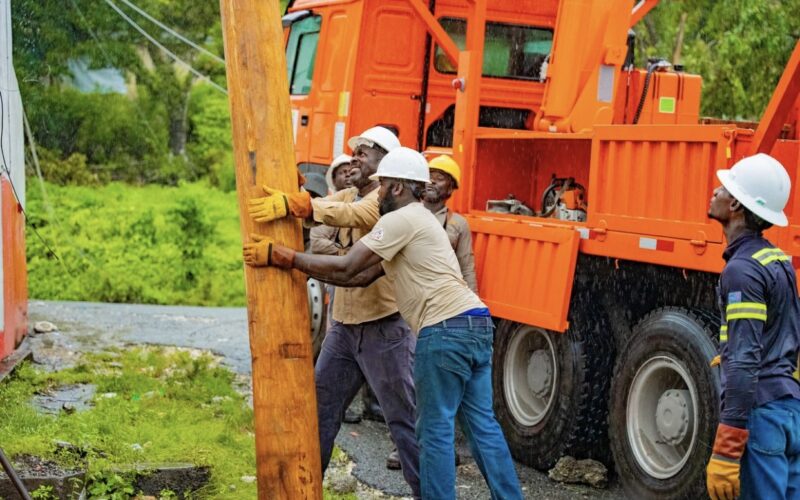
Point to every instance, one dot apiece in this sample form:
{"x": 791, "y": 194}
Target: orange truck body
{"x": 648, "y": 184}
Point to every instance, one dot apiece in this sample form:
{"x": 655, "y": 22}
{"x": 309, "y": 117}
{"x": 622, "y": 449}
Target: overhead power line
{"x": 173, "y": 32}
{"x": 164, "y": 49}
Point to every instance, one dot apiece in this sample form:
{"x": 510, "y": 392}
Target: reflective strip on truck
{"x": 587, "y": 234}
{"x": 656, "y": 244}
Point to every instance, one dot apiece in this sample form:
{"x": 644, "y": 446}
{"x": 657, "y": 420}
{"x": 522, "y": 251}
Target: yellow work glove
{"x": 715, "y": 361}
{"x": 277, "y": 205}
{"x": 722, "y": 473}
{"x": 265, "y": 252}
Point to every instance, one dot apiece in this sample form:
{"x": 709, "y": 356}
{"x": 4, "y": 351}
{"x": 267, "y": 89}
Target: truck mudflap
{"x": 531, "y": 267}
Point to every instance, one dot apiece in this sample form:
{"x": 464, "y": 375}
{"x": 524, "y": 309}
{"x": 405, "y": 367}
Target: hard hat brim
{"x": 377, "y": 177}
{"x": 771, "y": 216}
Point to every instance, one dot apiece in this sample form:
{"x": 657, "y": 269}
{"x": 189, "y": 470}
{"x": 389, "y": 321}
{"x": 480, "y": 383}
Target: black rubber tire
{"x": 318, "y": 337}
{"x": 687, "y": 336}
{"x": 575, "y": 424}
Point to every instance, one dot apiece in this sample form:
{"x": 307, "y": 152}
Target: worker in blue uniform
{"x": 758, "y": 437}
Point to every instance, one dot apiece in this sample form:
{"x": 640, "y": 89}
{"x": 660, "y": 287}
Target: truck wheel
{"x": 317, "y": 310}
{"x": 550, "y": 392}
{"x": 665, "y": 405}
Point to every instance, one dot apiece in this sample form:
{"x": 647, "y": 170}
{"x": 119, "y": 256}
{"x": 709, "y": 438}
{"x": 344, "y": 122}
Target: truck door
{"x": 301, "y": 52}
{"x": 320, "y": 56}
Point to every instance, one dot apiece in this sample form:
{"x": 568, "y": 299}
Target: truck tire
{"x": 317, "y": 313}
{"x": 665, "y": 405}
{"x": 551, "y": 392}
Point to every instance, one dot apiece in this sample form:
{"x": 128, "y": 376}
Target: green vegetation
{"x": 152, "y": 405}
{"x": 151, "y": 244}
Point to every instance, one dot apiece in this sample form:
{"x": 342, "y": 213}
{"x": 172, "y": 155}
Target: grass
{"x": 175, "y": 405}
{"x": 136, "y": 244}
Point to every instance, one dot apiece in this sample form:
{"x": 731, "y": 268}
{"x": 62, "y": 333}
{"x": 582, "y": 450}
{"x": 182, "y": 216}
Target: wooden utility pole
{"x": 284, "y": 399}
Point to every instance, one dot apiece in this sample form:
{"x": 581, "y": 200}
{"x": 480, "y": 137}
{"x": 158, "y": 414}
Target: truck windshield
{"x": 301, "y": 52}
{"x": 510, "y": 50}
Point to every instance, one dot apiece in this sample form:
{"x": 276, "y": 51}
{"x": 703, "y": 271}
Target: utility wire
{"x": 173, "y": 32}
{"x": 110, "y": 63}
{"x": 14, "y": 188}
{"x": 164, "y": 49}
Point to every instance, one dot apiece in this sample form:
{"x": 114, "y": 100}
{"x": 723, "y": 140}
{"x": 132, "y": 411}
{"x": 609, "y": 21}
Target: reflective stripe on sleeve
{"x": 723, "y": 333}
{"x": 746, "y": 310}
{"x": 766, "y": 256}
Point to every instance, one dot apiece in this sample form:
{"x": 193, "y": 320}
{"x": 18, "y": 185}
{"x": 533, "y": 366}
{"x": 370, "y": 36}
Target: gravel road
{"x": 91, "y": 326}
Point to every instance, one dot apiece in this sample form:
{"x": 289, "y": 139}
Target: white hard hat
{"x": 403, "y": 163}
{"x": 761, "y": 184}
{"x": 336, "y": 163}
{"x": 381, "y": 136}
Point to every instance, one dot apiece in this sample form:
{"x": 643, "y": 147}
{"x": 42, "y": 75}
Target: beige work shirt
{"x": 460, "y": 238}
{"x": 325, "y": 239}
{"x": 417, "y": 255}
{"x": 354, "y": 219}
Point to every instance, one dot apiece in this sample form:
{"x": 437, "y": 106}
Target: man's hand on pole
{"x": 265, "y": 252}
{"x": 722, "y": 473}
{"x": 277, "y": 205}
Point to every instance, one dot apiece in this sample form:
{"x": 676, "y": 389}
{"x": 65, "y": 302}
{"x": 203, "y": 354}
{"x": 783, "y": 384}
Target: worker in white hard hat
{"x": 445, "y": 179}
{"x": 322, "y": 237}
{"x": 368, "y": 340}
{"x": 452, "y": 370}
{"x": 757, "y": 443}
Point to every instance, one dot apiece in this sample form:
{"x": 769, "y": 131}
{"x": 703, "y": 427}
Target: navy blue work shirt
{"x": 760, "y": 331}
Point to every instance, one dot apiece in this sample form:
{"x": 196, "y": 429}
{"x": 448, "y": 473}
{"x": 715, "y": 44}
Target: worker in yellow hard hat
{"x": 445, "y": 179}
{"x": 756, "y": 451}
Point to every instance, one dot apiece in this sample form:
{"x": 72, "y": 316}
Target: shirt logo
{"x": 734, "y": 297}
{"x": 377, "y": 234}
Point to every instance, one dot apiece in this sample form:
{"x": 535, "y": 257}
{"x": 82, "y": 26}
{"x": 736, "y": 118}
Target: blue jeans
{"x": 453, "y": 375}
{"x": 771, "y": 461}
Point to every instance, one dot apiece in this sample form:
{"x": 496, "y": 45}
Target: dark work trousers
{"x": 382, "y": 353}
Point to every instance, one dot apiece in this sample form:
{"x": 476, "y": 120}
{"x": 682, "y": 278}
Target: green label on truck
{"x": 666, "y": 105}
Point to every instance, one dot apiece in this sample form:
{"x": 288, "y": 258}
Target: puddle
{"x": 68, "y": 398}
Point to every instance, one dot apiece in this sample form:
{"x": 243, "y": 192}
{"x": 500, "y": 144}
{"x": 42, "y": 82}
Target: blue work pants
{"x": 771, "y": 461}
{"x": 453, "y": 375}
{"x": 380, "y": 352}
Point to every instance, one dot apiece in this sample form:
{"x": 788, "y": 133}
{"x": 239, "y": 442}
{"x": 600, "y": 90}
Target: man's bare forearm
{"x": 362, "y": 279}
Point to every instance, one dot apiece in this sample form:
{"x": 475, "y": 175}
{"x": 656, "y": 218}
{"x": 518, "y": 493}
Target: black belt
{"x": 467, "y": 322}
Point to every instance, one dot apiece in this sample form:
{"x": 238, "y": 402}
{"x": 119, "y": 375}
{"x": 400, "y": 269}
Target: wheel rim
{"x": 662, "y": 416}
{"x": 316, "y": 305}
{"x": 530, "y": 375}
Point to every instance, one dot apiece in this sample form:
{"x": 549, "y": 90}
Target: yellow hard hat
{"x": 448, "y": 166}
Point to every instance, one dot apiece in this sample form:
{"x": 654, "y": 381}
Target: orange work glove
{"x": 715, "y": 361}
{"x": 301, "y": 179}
{"x": 277, "y": 205}
{"x": 265, "y": 252}
{"x": 722, "y": 473}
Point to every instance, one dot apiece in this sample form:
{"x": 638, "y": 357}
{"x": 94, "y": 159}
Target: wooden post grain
{"x": 284, "y": 400}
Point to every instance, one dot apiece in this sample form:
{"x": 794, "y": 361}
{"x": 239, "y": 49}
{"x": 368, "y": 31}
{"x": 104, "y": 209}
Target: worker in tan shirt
{"x": 445, "y": 178}
{"x": 368, "y": 339}
{"x": 453, "y": 367}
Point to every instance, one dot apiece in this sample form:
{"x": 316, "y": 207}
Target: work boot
{"x": 351, "y": 417}
{"x": 372, "y": 409}
{"x": 393, "y": 460}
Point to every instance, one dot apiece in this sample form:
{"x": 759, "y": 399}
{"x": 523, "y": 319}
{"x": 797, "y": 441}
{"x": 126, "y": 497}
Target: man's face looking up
{"x": 365, "y": 163}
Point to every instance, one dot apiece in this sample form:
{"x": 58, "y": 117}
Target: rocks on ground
{"x": 570, "y": 470}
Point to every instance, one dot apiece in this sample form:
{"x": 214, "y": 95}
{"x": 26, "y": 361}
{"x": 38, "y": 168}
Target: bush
{"x": 209, "y": 143}
{"x": 119, "y": 137}
{"x": 151, "y": 244}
